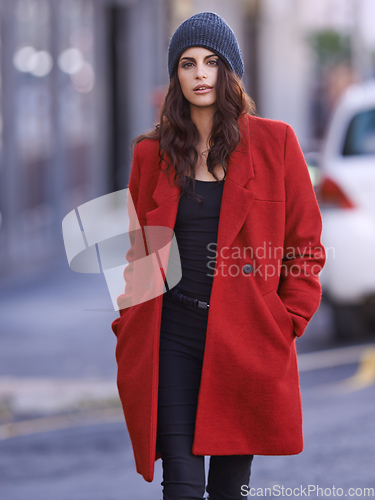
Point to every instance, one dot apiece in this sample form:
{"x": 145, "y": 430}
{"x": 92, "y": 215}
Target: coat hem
{"x": 153, "y": 423}
{"x": 255, "y": 451}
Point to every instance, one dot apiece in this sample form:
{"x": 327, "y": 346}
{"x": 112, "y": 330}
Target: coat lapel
{"x": 236, "y": 200}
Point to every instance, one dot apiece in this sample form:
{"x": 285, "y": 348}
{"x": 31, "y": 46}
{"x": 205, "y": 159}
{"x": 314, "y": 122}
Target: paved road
{"x": 56, "y": 323}
{"x": 69, "y": 437}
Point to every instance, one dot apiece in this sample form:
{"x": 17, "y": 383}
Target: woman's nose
{"x": 201, "y": 71}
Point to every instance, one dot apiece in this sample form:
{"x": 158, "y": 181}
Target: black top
{"x": 196, "y": 231}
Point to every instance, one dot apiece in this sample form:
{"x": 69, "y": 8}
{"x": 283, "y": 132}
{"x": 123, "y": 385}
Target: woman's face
{"x": 197, "y": 73}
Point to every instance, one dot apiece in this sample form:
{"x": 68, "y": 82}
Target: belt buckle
{"x": 202, "y": 305}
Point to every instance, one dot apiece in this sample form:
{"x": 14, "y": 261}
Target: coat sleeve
{"x": 304, "y": 255}
{"x": 135, "y": 233}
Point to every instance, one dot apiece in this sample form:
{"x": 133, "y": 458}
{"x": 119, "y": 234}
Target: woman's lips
{"x": 203, "y": 91}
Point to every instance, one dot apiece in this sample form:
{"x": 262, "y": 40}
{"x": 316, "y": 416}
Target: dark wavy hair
{"x": 178, "y": 136}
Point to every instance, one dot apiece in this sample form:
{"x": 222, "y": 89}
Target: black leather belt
{"x": 177, "y": 295}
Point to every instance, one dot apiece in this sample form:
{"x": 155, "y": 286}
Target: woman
{"x": 209, "y": 367}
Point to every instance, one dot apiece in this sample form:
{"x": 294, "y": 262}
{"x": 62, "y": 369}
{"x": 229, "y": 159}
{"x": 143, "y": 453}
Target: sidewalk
{"x": 21, "y": 397}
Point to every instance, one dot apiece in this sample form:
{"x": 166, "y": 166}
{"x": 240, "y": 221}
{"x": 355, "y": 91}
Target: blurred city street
{"x": 62, "y": 432}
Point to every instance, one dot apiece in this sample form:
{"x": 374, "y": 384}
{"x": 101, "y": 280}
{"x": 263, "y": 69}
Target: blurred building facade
{"x": 81, "y": 78}
{"x": 76, "y": 81}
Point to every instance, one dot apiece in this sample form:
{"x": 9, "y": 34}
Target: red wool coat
{"x": 249, "y": 400}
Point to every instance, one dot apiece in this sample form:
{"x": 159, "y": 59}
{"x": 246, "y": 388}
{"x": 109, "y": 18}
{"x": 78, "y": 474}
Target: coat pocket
{"x": 280, "y": 315}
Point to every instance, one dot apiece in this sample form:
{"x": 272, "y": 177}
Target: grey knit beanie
{"x": 210, "y": 31}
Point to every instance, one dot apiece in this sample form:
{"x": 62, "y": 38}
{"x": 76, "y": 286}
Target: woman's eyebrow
{"x": 192, "y": 58}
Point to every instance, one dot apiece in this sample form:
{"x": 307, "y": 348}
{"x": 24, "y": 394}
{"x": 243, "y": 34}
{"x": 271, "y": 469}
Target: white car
{"x": 346, "y": 196}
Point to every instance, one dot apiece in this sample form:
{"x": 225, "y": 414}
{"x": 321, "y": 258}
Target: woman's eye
{"x": 212, "y": 62}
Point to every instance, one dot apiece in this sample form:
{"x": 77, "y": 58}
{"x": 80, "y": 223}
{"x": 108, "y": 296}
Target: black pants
{"x": 182, "y": 341}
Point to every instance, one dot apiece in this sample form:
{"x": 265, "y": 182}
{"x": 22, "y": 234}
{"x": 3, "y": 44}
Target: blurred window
{"x": 360, "y": 139}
